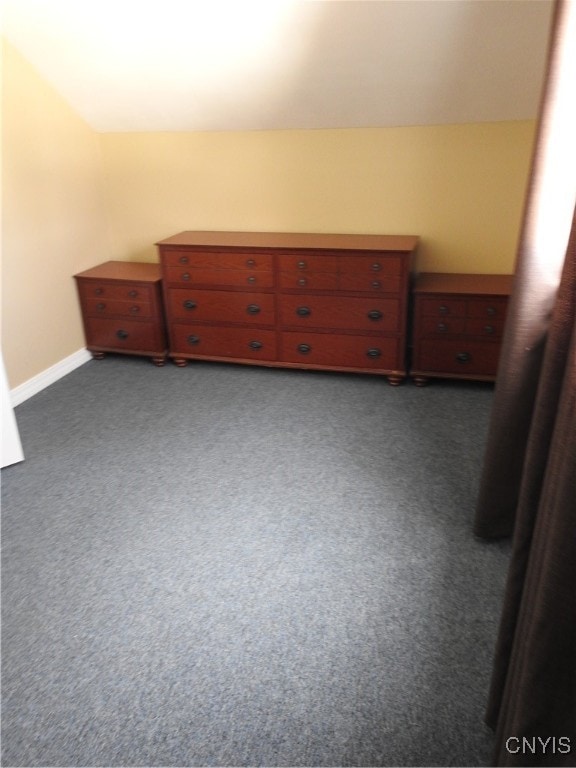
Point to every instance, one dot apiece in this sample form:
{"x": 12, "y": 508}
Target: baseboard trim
{"x": 37, "y": 383}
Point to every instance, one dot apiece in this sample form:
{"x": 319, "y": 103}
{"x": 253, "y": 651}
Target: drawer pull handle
{"x": 491, "y": 311}
{"x": 99, "y": 291}
{"x": 186, "y": 276}
{"x": 301, "y": 265}
{"x": 375, "y": 314}
{"x": 463, "y": 357}
{"x": 442, "y": 327}
{"x": 255, "y": 345}
{"x": 304, "y": 349}
{"x": 251, "y": 279}
{"x": 135, "y": 309}
{"x": 183, "y": 260}
{"x": 302, "y": 281}
{"x": 443, "y": 309}
{"x": 489, "y": 329}
{"x": 303, "y": 311}
{"x": 100, "y": 306}
{"x": 376, "y": 284}
{"x": 253, "y": 309}
{"x": 376, "y": 267}
{"x": 189, "y": 304}
{"x": 122, "y": 334}
{"x": 250, "y": 263}
{"x": 374, "y": 352}
{"x": 132, "y": 294}
{"x": 193, "y": 339}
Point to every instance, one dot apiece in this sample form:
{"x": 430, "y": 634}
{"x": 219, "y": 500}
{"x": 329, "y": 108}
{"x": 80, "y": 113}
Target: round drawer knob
{"x": 376, "y": 284}
{"x": 442, "y": 327}
{"x": 185, "y": 276}
{"x": 135, "y": 309}
{"x": 99, "y": 291}
{"x": 183, "y": 260}
{"x": 250, "y": 263}
{"x": 189, "y": 304}
{"x": 491, "y": 311}
{"x": 443, "y": 309}
{"x": 303, "y": 311}
{"x": 489, "y": 329}
{"x": 301, "y": 265}
{"x": 253, "y": 309}
{"x": 100, "y": 306}
{"x": 251, "y": 279}
{"x": 376, "y": 267}
{"x": 133, "y": 294}
{"x": 193, "y": 340}
{"x": 375, "y": 314}
{"x": 122, "y": 334}
{"x": 255, "y": 345}
{"x": 304, "y": 349}
{"x": 302, "y": 281}
{"x": 374, "y": 352}
{"x": 463, "y": 357}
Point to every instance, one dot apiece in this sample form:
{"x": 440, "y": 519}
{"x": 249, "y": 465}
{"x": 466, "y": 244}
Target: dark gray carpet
{"x": 231, "y": 566}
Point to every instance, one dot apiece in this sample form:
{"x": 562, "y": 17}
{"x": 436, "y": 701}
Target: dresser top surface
{"x": 293, "y": 240}
{"x": 480, "y": 284}
{"x": 123, "y": 270}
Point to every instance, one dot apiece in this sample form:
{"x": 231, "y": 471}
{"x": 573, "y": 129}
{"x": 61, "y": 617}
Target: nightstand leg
{"x": 421, "y": 381}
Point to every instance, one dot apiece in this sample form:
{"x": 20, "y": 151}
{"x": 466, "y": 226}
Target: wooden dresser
{"x": 458, "y": 325}
{"x": 121, "y": 305}
{"x": 336, "y": 302}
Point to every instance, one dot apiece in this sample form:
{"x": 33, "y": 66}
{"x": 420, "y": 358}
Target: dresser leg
{"x": 98, "y": 355}
{"x": 394, "y": 380}
{"x": 421, "y": 381}
{"x": 159, "y": 361}
{"x": 181, "y": 362}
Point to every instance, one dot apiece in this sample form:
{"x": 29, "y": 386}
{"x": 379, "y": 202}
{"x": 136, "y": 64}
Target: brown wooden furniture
{"x": 458, "y": 324}
{"x": 121, "y": 306}
{"x": 336, "y": 302}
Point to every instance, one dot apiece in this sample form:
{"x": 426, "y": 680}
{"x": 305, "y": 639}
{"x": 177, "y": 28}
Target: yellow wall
{"x": 53, "y": 221}
{"x": 73, "y": 198}
{"x": 460, "y": 187}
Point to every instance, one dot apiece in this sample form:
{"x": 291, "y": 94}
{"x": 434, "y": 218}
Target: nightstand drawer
{"x": 489, "y": 309}
{"x": 459, "y": 357}
{"x": 114, "y": 307}
{"x": 443, "y": 307}
{"x": 442, "y": 326}
{"x": 122, "y": 335}
{"x": 122, "y": 291}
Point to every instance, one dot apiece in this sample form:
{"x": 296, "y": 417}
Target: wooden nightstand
{"x": 122, "y": 309}
{"x": 458, "y": 325}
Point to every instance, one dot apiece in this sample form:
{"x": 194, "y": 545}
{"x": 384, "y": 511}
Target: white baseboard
{"x": 37, "y": 383}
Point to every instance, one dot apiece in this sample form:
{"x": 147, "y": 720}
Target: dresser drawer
{"x": 364, "y": 352}
{"x": 211, "y": 341}
{"x": 340, "y": 312}
{"x": 217, "y": 260}
{"x": 122, "y": 335}
{"x": 458, "y": 357}
{"x": 307, "y": 263}
{"x": 89, "y": 289}
{"x": 117, "y": 308}
{"x": 371, "y": 264}
{"x": 222, "y": 306}
{"x": 309, "y": 281}
{"x": 485, "y": 327}
{"x": 234, "y": 278}
{"x": 380, "y": 283}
